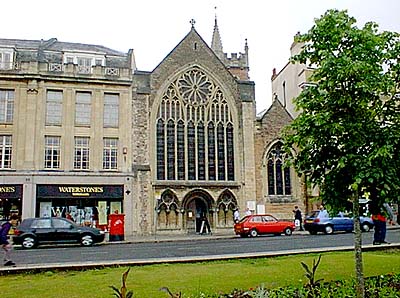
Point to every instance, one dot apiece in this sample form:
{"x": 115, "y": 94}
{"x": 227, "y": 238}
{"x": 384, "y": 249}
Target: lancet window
{"x": 279, "y": 182}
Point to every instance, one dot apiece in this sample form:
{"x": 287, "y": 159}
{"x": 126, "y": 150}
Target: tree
{"x": 348, "y": 132}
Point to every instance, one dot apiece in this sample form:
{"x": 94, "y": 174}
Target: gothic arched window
{"x": 278, "y": 176}
{"x": 194, "y": 131}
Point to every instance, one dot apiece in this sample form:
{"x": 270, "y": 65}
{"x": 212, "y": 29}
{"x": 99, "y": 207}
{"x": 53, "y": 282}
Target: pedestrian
{"x": 322, "y": 212}
{"x": 248, "y": 211}
{"x": 4, "y": 242}
{"x": 298, "y": 219}
{"x": 236, "y": 216}
{"x": 205, "y": 225}
{"x": 379, "y": 219}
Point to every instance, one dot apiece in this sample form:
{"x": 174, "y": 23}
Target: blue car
{"x": 328, "y": 225}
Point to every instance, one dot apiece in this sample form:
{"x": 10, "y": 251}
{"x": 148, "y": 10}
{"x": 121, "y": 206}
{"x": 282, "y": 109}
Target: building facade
{"x": 84, "y": 132}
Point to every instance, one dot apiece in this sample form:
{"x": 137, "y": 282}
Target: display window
{"x": 85, "y": 205}
{"x": 10, "y": 201}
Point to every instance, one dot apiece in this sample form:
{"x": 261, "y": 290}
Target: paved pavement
{"x": 182, "y": 237}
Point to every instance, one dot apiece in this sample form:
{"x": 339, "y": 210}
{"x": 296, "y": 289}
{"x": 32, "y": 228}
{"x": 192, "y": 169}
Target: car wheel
{"x": 28, "y": 242}
{"x": 87, "y": 240}
{"x": 287, "y": 232}
{"x": 253, "y": 233}
{"x": 328, "y": 229}
{"x": 365, "y": 227}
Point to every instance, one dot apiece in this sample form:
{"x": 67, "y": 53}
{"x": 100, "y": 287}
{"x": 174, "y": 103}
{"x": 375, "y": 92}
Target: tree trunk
{"x": 305, "y": 194}
{"x": 360, "y": 290}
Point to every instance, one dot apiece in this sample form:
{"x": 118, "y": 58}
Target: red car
{"x": 254, "y": 225}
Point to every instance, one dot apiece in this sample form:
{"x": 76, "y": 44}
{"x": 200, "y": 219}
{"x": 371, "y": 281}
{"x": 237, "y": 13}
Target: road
{"x": 126, "y": 253}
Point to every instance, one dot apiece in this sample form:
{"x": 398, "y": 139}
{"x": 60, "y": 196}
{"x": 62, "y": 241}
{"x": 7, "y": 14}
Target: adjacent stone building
{"x": 83, "y": 131}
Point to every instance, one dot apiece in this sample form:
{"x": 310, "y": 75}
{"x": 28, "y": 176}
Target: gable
{"x": 192, "y": 50}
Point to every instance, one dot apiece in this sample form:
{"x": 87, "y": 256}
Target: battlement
{"x": 236, "y": 59}
{"x": 238, "y": 65}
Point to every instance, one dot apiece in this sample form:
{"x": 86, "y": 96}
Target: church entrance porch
{"x": 197, "y": 208}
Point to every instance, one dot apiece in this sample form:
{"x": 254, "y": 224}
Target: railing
{"x": 55, "y": 67}
{"x": 111, "y": 71}
{"x": 84, "y": 69}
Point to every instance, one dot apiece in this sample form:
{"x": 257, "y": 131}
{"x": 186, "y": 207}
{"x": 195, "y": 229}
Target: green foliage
{"x": 123, "y": 292}
{"x": 310, "y": 273}
{"x": 347, "y": 136}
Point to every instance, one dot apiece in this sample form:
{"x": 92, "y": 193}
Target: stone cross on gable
{"x": 192, "y": 21}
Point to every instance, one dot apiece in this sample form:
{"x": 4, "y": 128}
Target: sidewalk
{"x": 183, "y": 237}
{"x": 197, "y": 237}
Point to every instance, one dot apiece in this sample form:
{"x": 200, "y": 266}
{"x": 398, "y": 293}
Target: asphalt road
{"x": 145, "y": 252}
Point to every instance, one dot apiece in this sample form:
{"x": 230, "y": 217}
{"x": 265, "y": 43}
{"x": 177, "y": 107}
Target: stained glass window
{"x": 278, "y": 175}
{"x": 194, "y": 130}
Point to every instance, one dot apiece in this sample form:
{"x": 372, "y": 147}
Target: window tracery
{"x": 194, "y": 130}
{"x": 226, "y": 204}
{"x": 279, "y": 182}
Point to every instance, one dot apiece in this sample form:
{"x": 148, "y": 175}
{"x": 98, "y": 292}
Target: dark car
{"x": 254, "y": 225}
{"x": 34, "y": 231}
{"x": 313, "y": 224}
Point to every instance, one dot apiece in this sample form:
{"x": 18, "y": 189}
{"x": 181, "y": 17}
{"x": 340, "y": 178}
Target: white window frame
{"x": 7, "y": 97}
{"x": 5, "y": 151}
{"x": 82, "y": 153}
{"x": 6, "y": 63}
{"x": 111, "y": 110}
{"x": 84, "y": 61}
{"x": 110, "y": 153}
{"x": 54, "y": 104}
{"x": 83, "y": 107}
{"x": 52, "y": 152}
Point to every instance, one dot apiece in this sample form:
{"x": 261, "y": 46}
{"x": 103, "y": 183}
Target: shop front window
{"x": 85, "y": 205}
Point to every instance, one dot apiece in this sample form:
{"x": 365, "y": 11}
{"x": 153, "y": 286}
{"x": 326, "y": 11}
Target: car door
{"x": 64, "y": 230}
{"x": 343, "y": 223}
{"x": 43, "y": 229}
{"x": 256, "y": 222}
{"x": 271, "y": 225}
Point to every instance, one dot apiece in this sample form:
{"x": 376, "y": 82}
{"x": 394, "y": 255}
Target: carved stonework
{"x": 33, "y": 87}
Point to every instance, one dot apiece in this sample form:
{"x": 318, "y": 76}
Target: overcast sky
{"x": 154, "y": 27}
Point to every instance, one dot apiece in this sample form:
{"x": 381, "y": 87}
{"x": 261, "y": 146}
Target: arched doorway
{"x": 196, "y": 205}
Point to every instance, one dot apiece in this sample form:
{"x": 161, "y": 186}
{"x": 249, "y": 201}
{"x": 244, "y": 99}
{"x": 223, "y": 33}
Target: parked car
{"x": 328, "y": 225}
{"x": 34, "y": 231}
{"x": 254, "y": 225}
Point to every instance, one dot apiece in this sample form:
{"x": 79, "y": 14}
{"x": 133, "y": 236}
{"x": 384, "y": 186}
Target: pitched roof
{"x": 54, "y": 45}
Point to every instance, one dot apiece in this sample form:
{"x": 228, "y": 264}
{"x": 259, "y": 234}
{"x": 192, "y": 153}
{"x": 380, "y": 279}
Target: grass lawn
{"x": 193, "y": 278}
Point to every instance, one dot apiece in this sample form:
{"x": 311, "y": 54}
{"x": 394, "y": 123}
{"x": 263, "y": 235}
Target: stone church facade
{"x": 165, "y": 147}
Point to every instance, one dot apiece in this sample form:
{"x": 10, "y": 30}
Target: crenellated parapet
{"x": 236, "y": 63}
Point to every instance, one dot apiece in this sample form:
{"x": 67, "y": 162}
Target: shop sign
{"x": 8, "y": 191}
{"x": 76, "y": 191}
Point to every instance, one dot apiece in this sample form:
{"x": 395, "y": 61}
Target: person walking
{"x": 236, "y": 216}
{"x": 205, "y": 225}
{"x": 379, "y": 219}
{"x": 298, "y": 219}
{"x": 4, "y": 242}
{"x": 322, "y": 212}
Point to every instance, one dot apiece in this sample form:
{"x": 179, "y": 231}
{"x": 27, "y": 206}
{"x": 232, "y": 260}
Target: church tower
{"x": 237, "y": 63}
